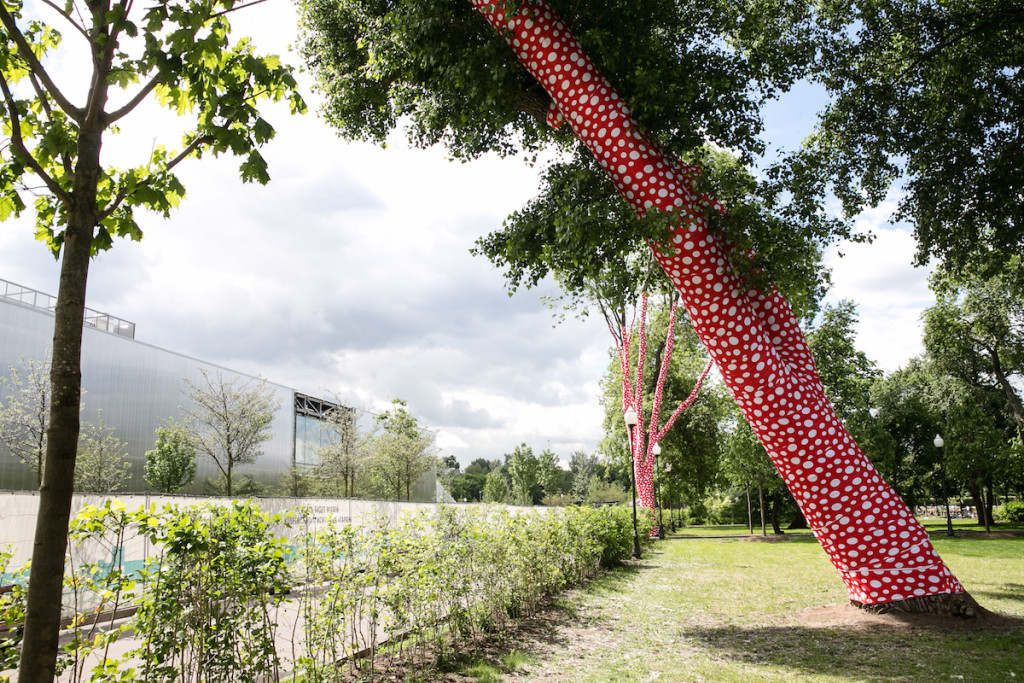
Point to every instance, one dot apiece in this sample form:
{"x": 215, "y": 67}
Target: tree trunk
{"x": 776, "y": 501}
{"x": 760, "y": 506}
{"x": 798, "y": 521}
{"x": 989, "y": 504}
{"x": 978, "y": 499}
{"x": 43, "y": 606}
{"x": 958, "y": 605}
{"x": 753, "y": 336}
{"x": 43, "y": 603}
{"x": 750, "y": 512}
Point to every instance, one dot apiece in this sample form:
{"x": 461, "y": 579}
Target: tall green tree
{"x": 549, "y": 474}
{"x": 523, "y": 470}
{"x": 927, "y": 95}
{"x": 227, "y": 421}
{"x": 177, "y": 52}
{"x": 846, "y": 372}
{"x": 25, "y": 412}
{"x": 975, "y": 451}
{"x": 171, "y": 464}
{"x": 906, "y": 410}
{"x": 975, "y": 331}
{"x": 581, "y": 468}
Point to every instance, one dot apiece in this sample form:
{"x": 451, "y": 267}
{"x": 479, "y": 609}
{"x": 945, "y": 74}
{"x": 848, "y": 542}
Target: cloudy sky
{"x": 349, "y": 275}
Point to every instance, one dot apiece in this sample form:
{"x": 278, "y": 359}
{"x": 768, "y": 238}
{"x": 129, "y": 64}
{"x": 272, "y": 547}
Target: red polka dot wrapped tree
{"x": 882, "y": 553}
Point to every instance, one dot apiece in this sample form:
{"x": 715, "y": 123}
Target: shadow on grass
{"x": 617, "y": 579}
{"x": 532, "y": 637}
{"x": 1014, "y": 591}
{"x": 903, "y": 650}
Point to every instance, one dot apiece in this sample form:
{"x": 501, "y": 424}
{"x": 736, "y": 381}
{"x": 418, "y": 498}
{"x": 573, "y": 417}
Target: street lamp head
{"x": 630, "y": 417}
{"x": 939, "y": 443}
{"x": 656, "y": 449}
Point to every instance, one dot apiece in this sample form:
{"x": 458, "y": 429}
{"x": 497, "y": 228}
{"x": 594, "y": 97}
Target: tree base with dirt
{"x": 958, "y": 605}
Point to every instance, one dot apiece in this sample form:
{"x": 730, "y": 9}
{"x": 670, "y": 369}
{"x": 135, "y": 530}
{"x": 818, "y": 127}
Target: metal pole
{"x": 945, "y": 494}
{"x": 939, "y": 443}
{"x": 672, "y": 509}
{"x": 657, "y": 500}
{"x": 632, "y": 487}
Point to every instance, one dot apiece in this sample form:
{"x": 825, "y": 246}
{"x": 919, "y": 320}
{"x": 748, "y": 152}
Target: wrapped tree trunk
{"x": 882, "y": 553}
{"x": 641, "y": 449}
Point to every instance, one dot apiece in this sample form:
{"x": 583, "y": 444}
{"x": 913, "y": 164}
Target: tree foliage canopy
{"x": 846, "y": 372}
{"x": 171, "y": 465}
{"x": 930, "y": 92}
{"x": 975, "y": 331}
{"x": 102, "y": 465}
{"x": 180, "y": 53}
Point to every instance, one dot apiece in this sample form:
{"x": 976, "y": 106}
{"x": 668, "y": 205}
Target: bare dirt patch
{"x": 850, "y": 617}
{"x": 771, "y": 538}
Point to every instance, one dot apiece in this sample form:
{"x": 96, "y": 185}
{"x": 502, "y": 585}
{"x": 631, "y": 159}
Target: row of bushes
{"x": 224, "y": 581}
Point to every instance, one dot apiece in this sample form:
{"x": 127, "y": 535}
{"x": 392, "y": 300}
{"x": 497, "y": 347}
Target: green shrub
{"x": 208, "y": 607}
{"x": 1012, "y": 512}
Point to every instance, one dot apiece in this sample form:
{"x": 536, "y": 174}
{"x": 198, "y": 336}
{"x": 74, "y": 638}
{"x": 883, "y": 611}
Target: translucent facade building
{"x": 139, "y": 387}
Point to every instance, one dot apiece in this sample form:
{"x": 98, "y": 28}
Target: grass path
{"x": 729, "y": 609}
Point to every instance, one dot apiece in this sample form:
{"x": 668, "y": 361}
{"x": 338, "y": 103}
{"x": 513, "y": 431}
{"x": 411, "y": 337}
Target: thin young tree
{"x": 495, "y": 488}
{"x": 523, "y": 470}
{"x": 581, "y": 468}
{"x": 171, "y": 464}
{"x": 343, "y": 453}
{"x": 25, "y": 412}
{"x": 401, "y": 453}
{"x": 102, "y": 465}
{"x": 549, "y": 474}
{"x": 176, "y": 52}
{"x": 228, "y": 420}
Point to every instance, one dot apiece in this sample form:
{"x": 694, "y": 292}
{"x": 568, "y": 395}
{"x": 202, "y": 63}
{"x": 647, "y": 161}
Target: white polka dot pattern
{"x": 641, "y": 451}
{"x": 881, "y": 551}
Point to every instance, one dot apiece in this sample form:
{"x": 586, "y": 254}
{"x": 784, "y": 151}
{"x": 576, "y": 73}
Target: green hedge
{"x": 211, "y": 595}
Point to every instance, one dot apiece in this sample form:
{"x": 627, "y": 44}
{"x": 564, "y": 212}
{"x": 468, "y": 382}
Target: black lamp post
{"x": 631, "y": 419}
{"x": 656, "y": 450}
{"x": 939, "y": 443}
{"x": 671, "y": 501}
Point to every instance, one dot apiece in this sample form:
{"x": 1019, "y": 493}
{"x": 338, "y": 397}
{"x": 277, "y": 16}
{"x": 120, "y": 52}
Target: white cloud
{"x": 889, "y": 292}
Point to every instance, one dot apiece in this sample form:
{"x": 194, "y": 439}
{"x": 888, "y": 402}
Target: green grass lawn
{"x": 731, "y": 609}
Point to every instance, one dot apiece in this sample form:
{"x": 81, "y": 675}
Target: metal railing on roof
{"x": 46, "y": 302}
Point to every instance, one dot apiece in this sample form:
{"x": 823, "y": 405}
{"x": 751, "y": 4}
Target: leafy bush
{"x": 12, "y": 610}
{"x": 1012, "y": 512}
{"x": 208, "y": 599}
